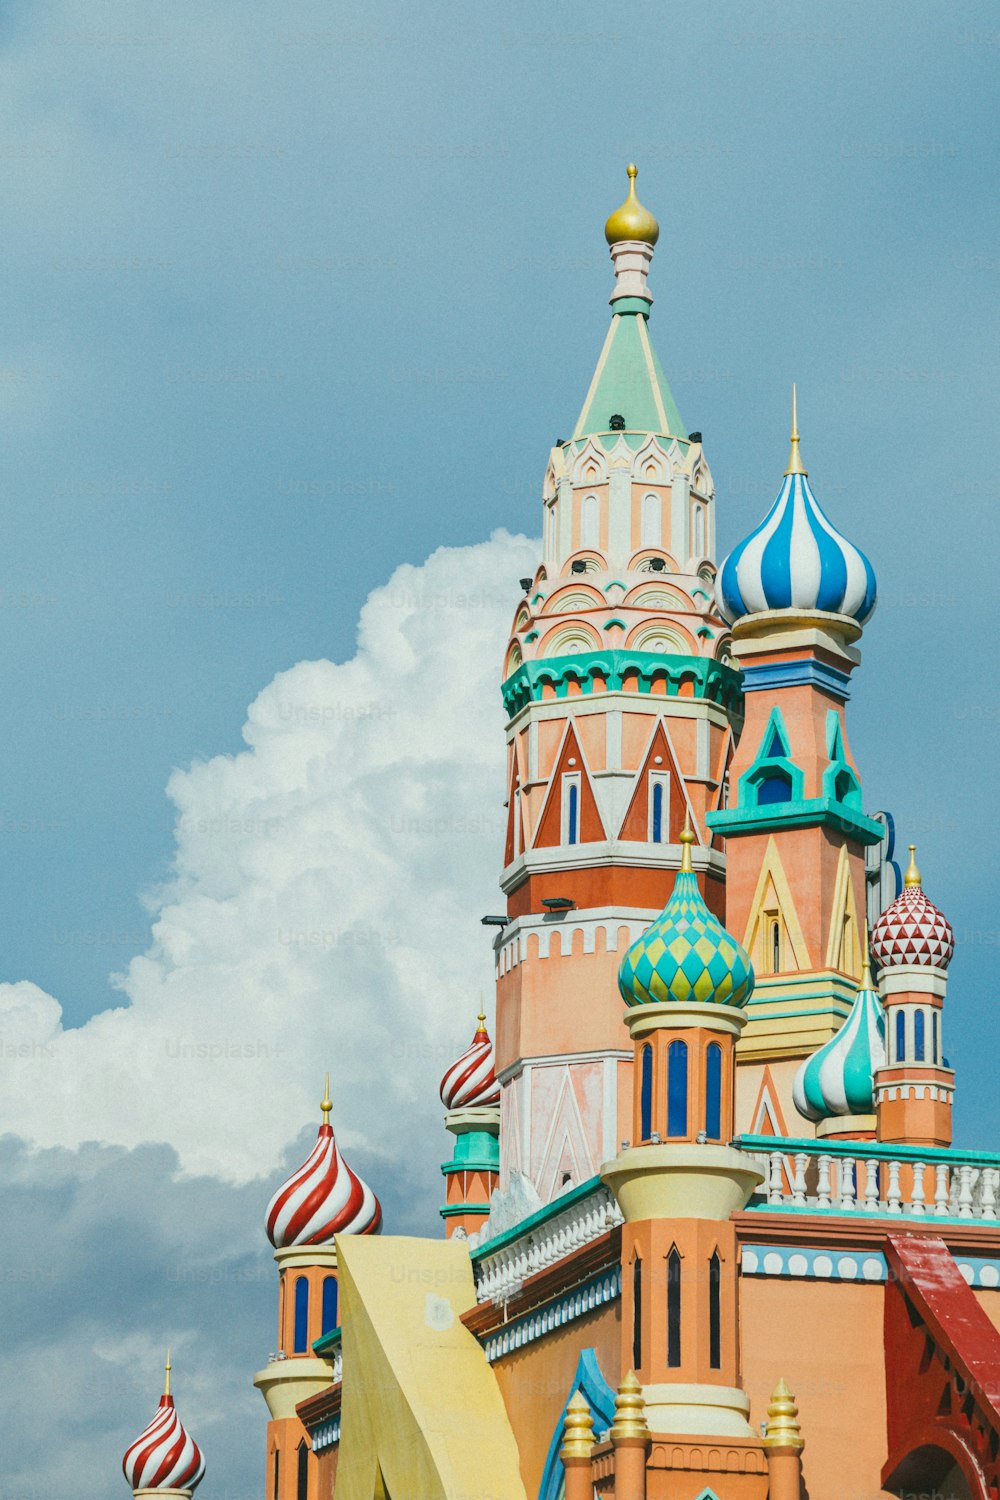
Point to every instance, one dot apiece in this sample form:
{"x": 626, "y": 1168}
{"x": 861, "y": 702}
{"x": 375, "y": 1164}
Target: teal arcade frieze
{"x": 605, "y": 671}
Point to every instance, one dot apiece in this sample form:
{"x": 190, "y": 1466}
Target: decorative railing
{"x": 505, "y": 1262}
{"x": 867, "y": 1177}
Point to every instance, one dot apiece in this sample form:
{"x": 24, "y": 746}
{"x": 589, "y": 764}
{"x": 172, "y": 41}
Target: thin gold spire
{"x": 795, "y": 457}
{"x": 687, "y": 839}
{"x": 867, "y": 982}
{"x": 327, "y": 1103}
{"x": 481, "y": 1018}
{"x": 166, "y": 1376}
{"x": 912, "y": 876}
{"x": 783, "y": 1430}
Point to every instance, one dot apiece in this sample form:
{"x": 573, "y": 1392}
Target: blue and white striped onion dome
{"x": 795, "y": 559}
{"x": 839, "y": 1079}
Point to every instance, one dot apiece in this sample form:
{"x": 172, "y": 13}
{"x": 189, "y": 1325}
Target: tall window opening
{"x": 935, "y": 1053}
{"x": 900, "y": 1035}
{"x": 918, "y": 1036}
{"x": 699, "y": 531}
{"x": 301, "y": 1340}
{"x": 646, "y": 1093}
{"x": 590, "y": 522}
{"x": 652, "y": 535}
{"x": 637, "y": 1314}
{"x": 659, "y": 808}
{"x": 330, "y": 1299}
{"x": 715, "y": 1312}
{"x": 571, "y": 809}
{"x": 276, "y": 1475}
{"x": 774, "y": 944}
{"x": 677, "y": 1088}
{"x": 713, "y": 1091}
{"x": 673, "y": 1309}
{"x": 302, "y": 1476}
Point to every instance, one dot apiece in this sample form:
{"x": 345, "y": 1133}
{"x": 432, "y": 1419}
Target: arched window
{"x": 774, "y": 787}
{"x": 301, "y": 1343}
{"x": 276, "y": 1474}
{"x": 935, "y": 1054}
{"x": 590, "y": 522}
{"x": 775, "y": 954}
{"x": 673, "y": 1309}
{"x": 302, "y": 1474}
{"x": 715, "y": 1312}
{"x": 900, "y": 1035}
{"x": 329, "y": 1303}
{"x": 677, "y": 1088}
{"x": 918, "y": 1036}
{"x": 651, "y": 534}
{"x": 713, "y": 1091}
{"x": 699, "y": 531}
{"x": 659, "y": 808}
{"x": 646, "y": 1093}
{"x": 573, "y": 813}
{"x": 637, "y": 1314}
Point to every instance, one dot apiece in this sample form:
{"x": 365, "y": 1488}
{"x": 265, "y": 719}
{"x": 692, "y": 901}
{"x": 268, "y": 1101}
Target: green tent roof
{"x": 629, "y": 382}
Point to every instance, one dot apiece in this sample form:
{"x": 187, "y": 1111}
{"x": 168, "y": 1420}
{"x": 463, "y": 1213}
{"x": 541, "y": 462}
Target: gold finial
{"x": 867, "y": 982}
{"x": 166, "y": 1376}
{"x": 795, "y": 457}
{"x": 630, "y": 1411}
{"x": 912, "y": 876}
{"x": 687, "y": 839}
{"x": 631, "y": 221}
{"x": 327, "y": 1103}
{"x": 783, "y": 1430}
{"x": 578, "y": 1428}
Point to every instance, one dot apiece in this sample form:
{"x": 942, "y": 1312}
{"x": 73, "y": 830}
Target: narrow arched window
{"x": 775, "y": 946}
{"x": 715, "y": 1312}
{"x": 652, "y": 535}
{"x": 900, "y": 1035}
{"x": 713, "y": 1091}
{"x": 329, "y": 1303}
{"x": 918, "y": 1036}
{"x": 677, "y": 1088}
{"x": 935, "y": 1053}
{"x": 637, "y": 1314}
{"x": 673, "y": 1309}
{"x": 699, "y": 531}
{"x": 302, "y": 1476}
{"x": 301, "y": 1343}
{"x": 590, "y": 522}
{"x": 657, "y": 812}
{"x": 277, "y": 1474}
{"x": 646, "y": 1092}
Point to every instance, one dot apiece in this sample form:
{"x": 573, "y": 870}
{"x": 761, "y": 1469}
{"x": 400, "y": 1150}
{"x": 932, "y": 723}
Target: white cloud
{"x": 324, "y": 907}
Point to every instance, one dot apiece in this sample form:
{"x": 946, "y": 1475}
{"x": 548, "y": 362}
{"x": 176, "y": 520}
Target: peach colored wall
{"x": 535, "y": 1381}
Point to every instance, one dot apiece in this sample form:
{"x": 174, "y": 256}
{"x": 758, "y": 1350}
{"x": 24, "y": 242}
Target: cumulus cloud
{"x": 323, "y": 910}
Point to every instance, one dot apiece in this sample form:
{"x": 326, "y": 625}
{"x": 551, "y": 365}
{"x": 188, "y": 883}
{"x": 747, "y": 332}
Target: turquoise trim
{"x": 609, "y": 623}
{"x": 836, "y": 1006}
{"x": 565, "y": 1200}
{"x": 712, "y": 680}
{"x": 840, "y": 781}
{"x": 789, "y": 1145}
{"x": 769, "y": 760}
{"x": 326, "y": 1345}
{"x": 474, "y": 1148}
{"x": 452, "y": 1210}
{"x": 812, "y": 811}
{"x": 600, "y": 1398}
{"x": 632, "y": 305}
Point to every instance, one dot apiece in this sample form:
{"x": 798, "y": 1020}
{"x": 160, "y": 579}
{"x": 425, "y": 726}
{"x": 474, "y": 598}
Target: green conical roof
{"x": 629, "y": 382}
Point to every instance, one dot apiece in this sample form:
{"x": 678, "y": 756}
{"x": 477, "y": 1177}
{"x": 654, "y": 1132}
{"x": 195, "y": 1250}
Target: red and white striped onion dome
{"x": 323, "y": 1198}
{"x": 471, "y": 1082}
{"x": 912, "y": 930}
{"x": 164, "y": 1456}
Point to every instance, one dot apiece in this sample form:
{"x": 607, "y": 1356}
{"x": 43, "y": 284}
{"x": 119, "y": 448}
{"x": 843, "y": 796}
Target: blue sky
{"x": 295, "y": 296}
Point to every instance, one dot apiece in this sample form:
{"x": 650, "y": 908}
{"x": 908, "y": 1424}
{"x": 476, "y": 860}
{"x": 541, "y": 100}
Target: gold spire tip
{"x": 795, "y": 457}
{"x": 867, "y": 982}
{"x": 687, "y": 839}
{"x": 631, "y": 221}
{"x": 783, "y": 1430}
{"x": 327, "y": 1102}
{"x": 912, "y": 876}
{"x": 578, "y": 1428}
{"x": 166, "y": 1376}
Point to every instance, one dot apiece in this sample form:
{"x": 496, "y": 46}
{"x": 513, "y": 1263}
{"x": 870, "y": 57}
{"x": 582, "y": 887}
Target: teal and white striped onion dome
{"x": 839, "y": 1079}
{"x": 686, "y": 955}
{"x": 796, "y": 559}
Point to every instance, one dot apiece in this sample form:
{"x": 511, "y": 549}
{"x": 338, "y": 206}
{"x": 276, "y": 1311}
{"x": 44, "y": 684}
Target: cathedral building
{"x": 705, "y": 1235}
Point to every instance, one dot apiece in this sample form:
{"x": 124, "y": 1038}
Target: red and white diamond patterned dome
{"x": 470, "y": 1082}
{"x": 164, "y": 1457}
{"x": 912, "y": 930}
{"x": 323, "y": 1198}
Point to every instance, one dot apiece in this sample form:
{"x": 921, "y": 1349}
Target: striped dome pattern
{"x": 685, "y": 955}
{"x": 164, "y": 1456}
{"x": 795, "y": 559}
{"x": 839, "y": 1079}
{"x": 471, "y": 1081}
{"x": 323, "y": 1198}
{"x": 912, "y": 930}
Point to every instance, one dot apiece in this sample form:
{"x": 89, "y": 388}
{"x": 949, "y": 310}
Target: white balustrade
{"x": 941, "y": 1189}
{"x": 500, "y": 1273}
{"x": 917, "y": 1195}
{"x": 823, "y": 1185}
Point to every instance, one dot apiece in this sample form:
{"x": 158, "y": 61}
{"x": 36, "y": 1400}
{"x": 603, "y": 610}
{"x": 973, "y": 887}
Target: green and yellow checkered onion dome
{"x": 685, "y": 955}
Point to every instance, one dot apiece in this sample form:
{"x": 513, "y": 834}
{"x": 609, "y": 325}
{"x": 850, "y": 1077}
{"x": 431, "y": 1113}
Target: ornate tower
{"x": 164, "y": 1460}
{"x": 471, "y": 1096}
{"x": 797, "y": 594}
{"x": 685, "y": 983}
{"x": 320, "y": 1201}
{"x": 913, "y": 942}
{"x": 621, "y": 700}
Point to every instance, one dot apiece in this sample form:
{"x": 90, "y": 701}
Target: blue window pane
{"x": 934, "y": 1037}
{"x": 677, "y": 1088}
{"x": 918, "y": 1036}
{"x": 776, "y": 787}
{"x": 646, "y": 1093}
{"x": 713, "y": 1091}
{"x": 301, "y": 1316}
{"x": 329, "y": 1303}
{"x": 775, "y": 749}
{"x": 657, "y": 812}
{"x": 571, "y": 818}
{"x": 900, "y": 1035}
